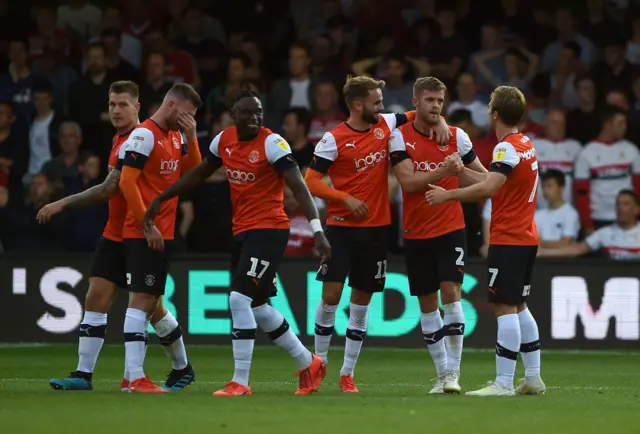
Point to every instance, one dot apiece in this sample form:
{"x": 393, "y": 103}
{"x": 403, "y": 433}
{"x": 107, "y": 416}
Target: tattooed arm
{"x": 92, "y": 196}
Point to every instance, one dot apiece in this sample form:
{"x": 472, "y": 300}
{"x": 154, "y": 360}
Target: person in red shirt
{"x": 258, "y": 164}
{"x": 434, "y": 238}
{"x": 154, "y": 157}
{"x": 355, "y": 156}
{"x": 108, "y": 268}
{"x": 512, "y": 185}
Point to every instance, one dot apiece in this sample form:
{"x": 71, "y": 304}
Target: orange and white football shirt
{"x": 254, "y": 170}
{"x": 158, "y": 154}
{"x": 117, "y": 204}
{"x": 419, "y": 219}
{"x": 513, "y": 208}
{"x": 358, "y": 164}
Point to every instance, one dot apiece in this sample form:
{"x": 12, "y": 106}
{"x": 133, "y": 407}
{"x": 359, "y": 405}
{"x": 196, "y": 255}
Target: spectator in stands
{"x": 46, "y": 30}
{"x": 222, "y": 96}
{"x": 138, "y": 21}
{"x": 490, "y": 56}
{"x": 598, "y": 24}
{"x": 119, "y": 67}
{"x": 254, "y": 71}
{"x": 88, "y": 101}
{"x": 211, "y": 27}
{"x": 85, "y": 225}
{"x": 557, "y": 152}
{"x": 467, "y": 99}
{"x": 325, "y": 65}
{"x": 21, "y": 230}
{"x": 558, "y": 224}
{"x": 633, "y": 44}
{"x": 482, "y": 145}
{"x": 398, "y": 91}
{"x": 207, "y": 53}
{"x": 450, "y": 49}
{"x": 80, "y": 16}
{"x": 181, "y": 66}
{"x": 51, "y": 66}
{"x": 568, "y": 66}
{"x": 513, "y": 58}
{"x": 326, "y": 116}
{"x": 295, "y": 127}
{"x": 615, "y": 71}
{"x": 15, "y": 84}
{"x": 130, "y": 46}
{"x": 156, "y": 83}
{"x": 64, "y": 167}
{"x": 567, "y": 27}
{"x": 295, "y": 91}
{"x": 538, "y": 98}
{"x": 617, "y": 97}
{"x": 619, "y": 240}
{"x": 43, "y": 133}
{"x": 605, "y": 166}
{"x": 584, "y": 122}
{"x": 14, "y": 152}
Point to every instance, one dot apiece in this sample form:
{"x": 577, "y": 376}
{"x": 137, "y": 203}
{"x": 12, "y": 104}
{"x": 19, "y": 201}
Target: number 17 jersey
{"x": 514, "y": 206}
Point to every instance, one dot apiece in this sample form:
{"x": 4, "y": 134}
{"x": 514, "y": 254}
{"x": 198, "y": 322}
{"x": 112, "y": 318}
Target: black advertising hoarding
{"x": 579, "y": 304}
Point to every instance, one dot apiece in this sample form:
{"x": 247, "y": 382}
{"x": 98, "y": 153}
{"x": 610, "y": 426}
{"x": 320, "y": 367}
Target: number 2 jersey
{"x": 513, "y": 208}
{"x": 254, "y": 170}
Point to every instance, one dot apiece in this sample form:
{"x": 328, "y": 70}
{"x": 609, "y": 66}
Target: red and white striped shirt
{"x": 618, "y": 243}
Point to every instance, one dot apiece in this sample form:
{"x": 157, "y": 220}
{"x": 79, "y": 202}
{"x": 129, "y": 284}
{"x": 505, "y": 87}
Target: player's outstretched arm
{"x": 475, "y": 193}
{"x": 92, "y": 196}
{"x": 296, "y": 183}
{"x": 470, "y": 177}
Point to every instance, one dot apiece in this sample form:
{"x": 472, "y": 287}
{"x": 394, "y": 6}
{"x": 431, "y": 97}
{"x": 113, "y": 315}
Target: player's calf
{"x": 454, "y": 325}
{"x": 326, "y": 317}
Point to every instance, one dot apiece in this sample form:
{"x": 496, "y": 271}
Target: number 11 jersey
{"x": 514, "y": 206}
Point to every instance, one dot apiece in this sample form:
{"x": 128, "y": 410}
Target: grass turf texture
{"x": 588, "y": 393}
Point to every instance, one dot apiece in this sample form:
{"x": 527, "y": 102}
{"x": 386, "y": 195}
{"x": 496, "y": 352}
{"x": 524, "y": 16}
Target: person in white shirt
{"x": 556, "y": 151}
{"x": 467, "y": 99}
{"x": 559, "y": 224}
{"x": 619, "y": 241}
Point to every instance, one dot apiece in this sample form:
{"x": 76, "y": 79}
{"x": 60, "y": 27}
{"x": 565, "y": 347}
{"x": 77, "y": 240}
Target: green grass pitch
{"x": 591, "y": 392}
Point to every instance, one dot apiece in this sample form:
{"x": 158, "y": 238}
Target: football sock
{"x": 356, "y": 330}
{"x": 507, "y": 348}
{"x": 146, "y": 345}
{"x": 91, "y": 338}
{"x": 454, "y": 334}
{"x": 325, "y": 320}
{"x": 530, "y": 347}
{"x": 277, "y": 329}
{"x": 433, "y": 332}
{"x": 135, "y": 342}
{"x": 170, "y": 335}
{"x": 243, "y": 336}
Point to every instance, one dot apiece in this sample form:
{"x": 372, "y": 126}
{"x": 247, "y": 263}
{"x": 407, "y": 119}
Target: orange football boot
{"x": 145, "y": 385}
{"x": 347, "y": 384}
{"x": 124, "y": 386}
{"x": 311, "y": 376}
{"x": 233, "y": 389}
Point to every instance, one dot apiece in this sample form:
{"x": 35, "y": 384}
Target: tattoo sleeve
{"x": 96, "y": 194}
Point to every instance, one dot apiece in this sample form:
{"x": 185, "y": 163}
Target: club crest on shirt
{"x": 176, "y": 144}
{"x": 378, "y": 133}
{"x": 443, "y": 148}
{"x": 254, "y": 156}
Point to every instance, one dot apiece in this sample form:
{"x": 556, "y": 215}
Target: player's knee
{"x": 522, "y": 307}
{"x": 238, "y": 300}
{"x": 100, "y": 296}
{"x": 501, "y": 309}
{"x": 450, "y": 292}
{"x": 331, "y": 293}
{"x": 428, "y": 303}
{"x": 360, "y": 297}
{"x": 143, "y": 301}
{"x": 259, "y": 300}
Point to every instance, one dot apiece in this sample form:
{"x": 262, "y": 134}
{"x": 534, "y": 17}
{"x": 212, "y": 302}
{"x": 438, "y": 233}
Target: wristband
{"x": 316, "y": 226}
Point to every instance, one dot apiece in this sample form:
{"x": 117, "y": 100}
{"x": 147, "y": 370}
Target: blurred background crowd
{"x": 578, "y": 63}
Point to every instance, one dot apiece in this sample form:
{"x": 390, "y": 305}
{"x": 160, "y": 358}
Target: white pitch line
{"x": 287, "y": 383}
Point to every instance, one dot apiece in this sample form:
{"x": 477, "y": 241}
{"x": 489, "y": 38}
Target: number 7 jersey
{"x": 514, "y": 206}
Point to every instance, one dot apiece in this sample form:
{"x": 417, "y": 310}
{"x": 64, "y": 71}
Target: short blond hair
{"x": 509, "y": 102}
{"x": 428, "y": 83}
{"x": 359, "y": 87}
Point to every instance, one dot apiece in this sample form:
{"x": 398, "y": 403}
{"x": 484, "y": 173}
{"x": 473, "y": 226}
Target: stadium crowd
{"x": 577, "y": 62}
